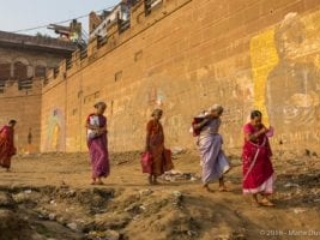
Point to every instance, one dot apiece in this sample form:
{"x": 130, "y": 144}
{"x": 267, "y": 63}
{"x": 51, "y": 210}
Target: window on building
{"x": 40, "y": 71}
{"x": 20, "y": 70}
{"x": 5, "y": 71}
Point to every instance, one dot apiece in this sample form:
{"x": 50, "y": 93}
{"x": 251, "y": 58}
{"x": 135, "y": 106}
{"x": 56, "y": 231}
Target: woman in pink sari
{"x": 7, "y": 148}
{"x": 97, "y": 142}
{"x": 258, "y": 173}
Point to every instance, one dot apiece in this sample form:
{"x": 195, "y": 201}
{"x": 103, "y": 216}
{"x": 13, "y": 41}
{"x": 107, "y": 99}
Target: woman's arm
{"x": 91, "y": 127}
{"x": 201, "y": 124}
{"x": 253, "y": 136}
{"x": 148, "y": 135}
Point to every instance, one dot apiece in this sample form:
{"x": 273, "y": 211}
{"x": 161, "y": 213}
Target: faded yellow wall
{"x": 186, "y": 56}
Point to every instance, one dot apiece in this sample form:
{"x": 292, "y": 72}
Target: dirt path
{"x": 50, "y": 196}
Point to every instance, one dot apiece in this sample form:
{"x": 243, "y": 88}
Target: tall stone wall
{"x": 186, "y": 56}
{"x": 25, "y": 107}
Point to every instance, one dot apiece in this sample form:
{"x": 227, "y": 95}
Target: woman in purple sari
{"x": 97, "y": 142}
{"x": 213, "y": 160}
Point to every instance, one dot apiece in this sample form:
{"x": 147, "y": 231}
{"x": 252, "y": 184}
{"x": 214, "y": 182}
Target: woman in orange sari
{"x": 155, "y": 145}
{"x": 7, "y": 148}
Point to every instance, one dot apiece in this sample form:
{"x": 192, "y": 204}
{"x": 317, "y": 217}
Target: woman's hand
{"x": 263, "y": 130}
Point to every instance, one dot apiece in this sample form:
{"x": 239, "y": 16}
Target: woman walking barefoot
{"x": 97, "y": 142}
{"x": 7, "y": 148}
{"x": 155, "y": 145}
{"x": 257, "y": 166}
{"x": 213, "y": 160}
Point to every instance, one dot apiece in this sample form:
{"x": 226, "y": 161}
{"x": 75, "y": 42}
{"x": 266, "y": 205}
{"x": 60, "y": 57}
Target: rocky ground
{"x": 49, "y": 197}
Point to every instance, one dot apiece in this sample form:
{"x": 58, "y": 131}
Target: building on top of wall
{"x": 120, "y": 14}
{"x": 24, "y": 63}
{"x": 24, "y": 57}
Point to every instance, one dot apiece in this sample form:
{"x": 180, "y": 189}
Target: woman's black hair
{"x": 12, "y": 122}
{"x": 103, "y": 104}
{"x": 255, "y": 113}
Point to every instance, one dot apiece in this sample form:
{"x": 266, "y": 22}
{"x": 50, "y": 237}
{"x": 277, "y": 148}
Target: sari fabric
{"x": 98, "y": 149}
{"x": 257, "y": 166}
{"x": 156, "y": 143}
{"x": 7, "y": 149}
{"x": 213, "y": 160}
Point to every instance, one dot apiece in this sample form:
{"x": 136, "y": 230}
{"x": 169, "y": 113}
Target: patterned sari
{"x": 156, "y": 143}
{"x": 7, "y": 149}
{"x": 213, "y": 160}
{"x": 257, "y": 167}
{"x": 98, "y": 147}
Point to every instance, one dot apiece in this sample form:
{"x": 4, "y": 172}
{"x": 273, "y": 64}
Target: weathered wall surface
{"x": 186, "y": 56}
{"x": 22, "y": 72}
{"x": 25, "y": 107}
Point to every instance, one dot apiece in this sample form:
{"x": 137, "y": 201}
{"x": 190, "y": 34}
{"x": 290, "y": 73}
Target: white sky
{"x": 22, "y": 14}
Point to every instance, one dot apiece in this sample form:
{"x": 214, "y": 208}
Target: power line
{"x": 61, "y": 22}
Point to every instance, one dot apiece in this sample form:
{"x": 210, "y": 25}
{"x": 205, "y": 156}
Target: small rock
{"x": 73, "y": 226}
{"x": 316, "y": 200}
{"x": 177, "y": 194}
{"x": 299, "y": 210}
{"x": 133, "y": 207}
{"x": 28, "y": 191}
{"x": 177, "y": 151}
{"x": 145, "y": 192}
{"x": 61, "y": 220}
{"x": 112, "y": 235}
{"x": 288, "y": 185}
{"x": 6, "y": 200}
{"x": 52, "y": 217}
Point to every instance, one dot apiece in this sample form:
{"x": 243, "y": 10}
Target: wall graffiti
{"x": 55, "y": 139}
{"x": 286, "y": 76}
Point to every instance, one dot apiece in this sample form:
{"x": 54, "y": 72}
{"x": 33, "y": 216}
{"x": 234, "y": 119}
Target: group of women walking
{"x": 258, "y": 173}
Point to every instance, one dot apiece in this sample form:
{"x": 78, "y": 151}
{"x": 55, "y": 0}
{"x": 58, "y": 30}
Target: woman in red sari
{"x": 155, "y": 145}
{"x": 7, "y": 148}
{"x": 97, "y": 142}
{"x": 258, "y": 173}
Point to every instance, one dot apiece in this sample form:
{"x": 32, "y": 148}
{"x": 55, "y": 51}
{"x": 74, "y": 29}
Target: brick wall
{"x": 186, "y": 56}
{"x": 25, "y": 107}
{"x": 17, "y": 102}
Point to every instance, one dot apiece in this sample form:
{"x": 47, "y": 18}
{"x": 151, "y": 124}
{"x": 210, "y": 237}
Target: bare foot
{"x": 266, "y": 202}
{"x": 100, "y": 183}
{"x": 93, "y": 183}
{"x": 223, "y": 189}
{"x": 150, "y": 180}
{"x": 255, "y": 203}
{"x": 208, "y": 189}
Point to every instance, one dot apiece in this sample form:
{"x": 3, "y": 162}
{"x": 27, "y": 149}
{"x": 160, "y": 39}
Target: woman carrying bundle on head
{"x": 97, "y": 142}
{"x": 258, "y": 173}
{"x": 213, "y": 160}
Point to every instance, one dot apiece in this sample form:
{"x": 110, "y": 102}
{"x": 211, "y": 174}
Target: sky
{"x": 22, "y": 14}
